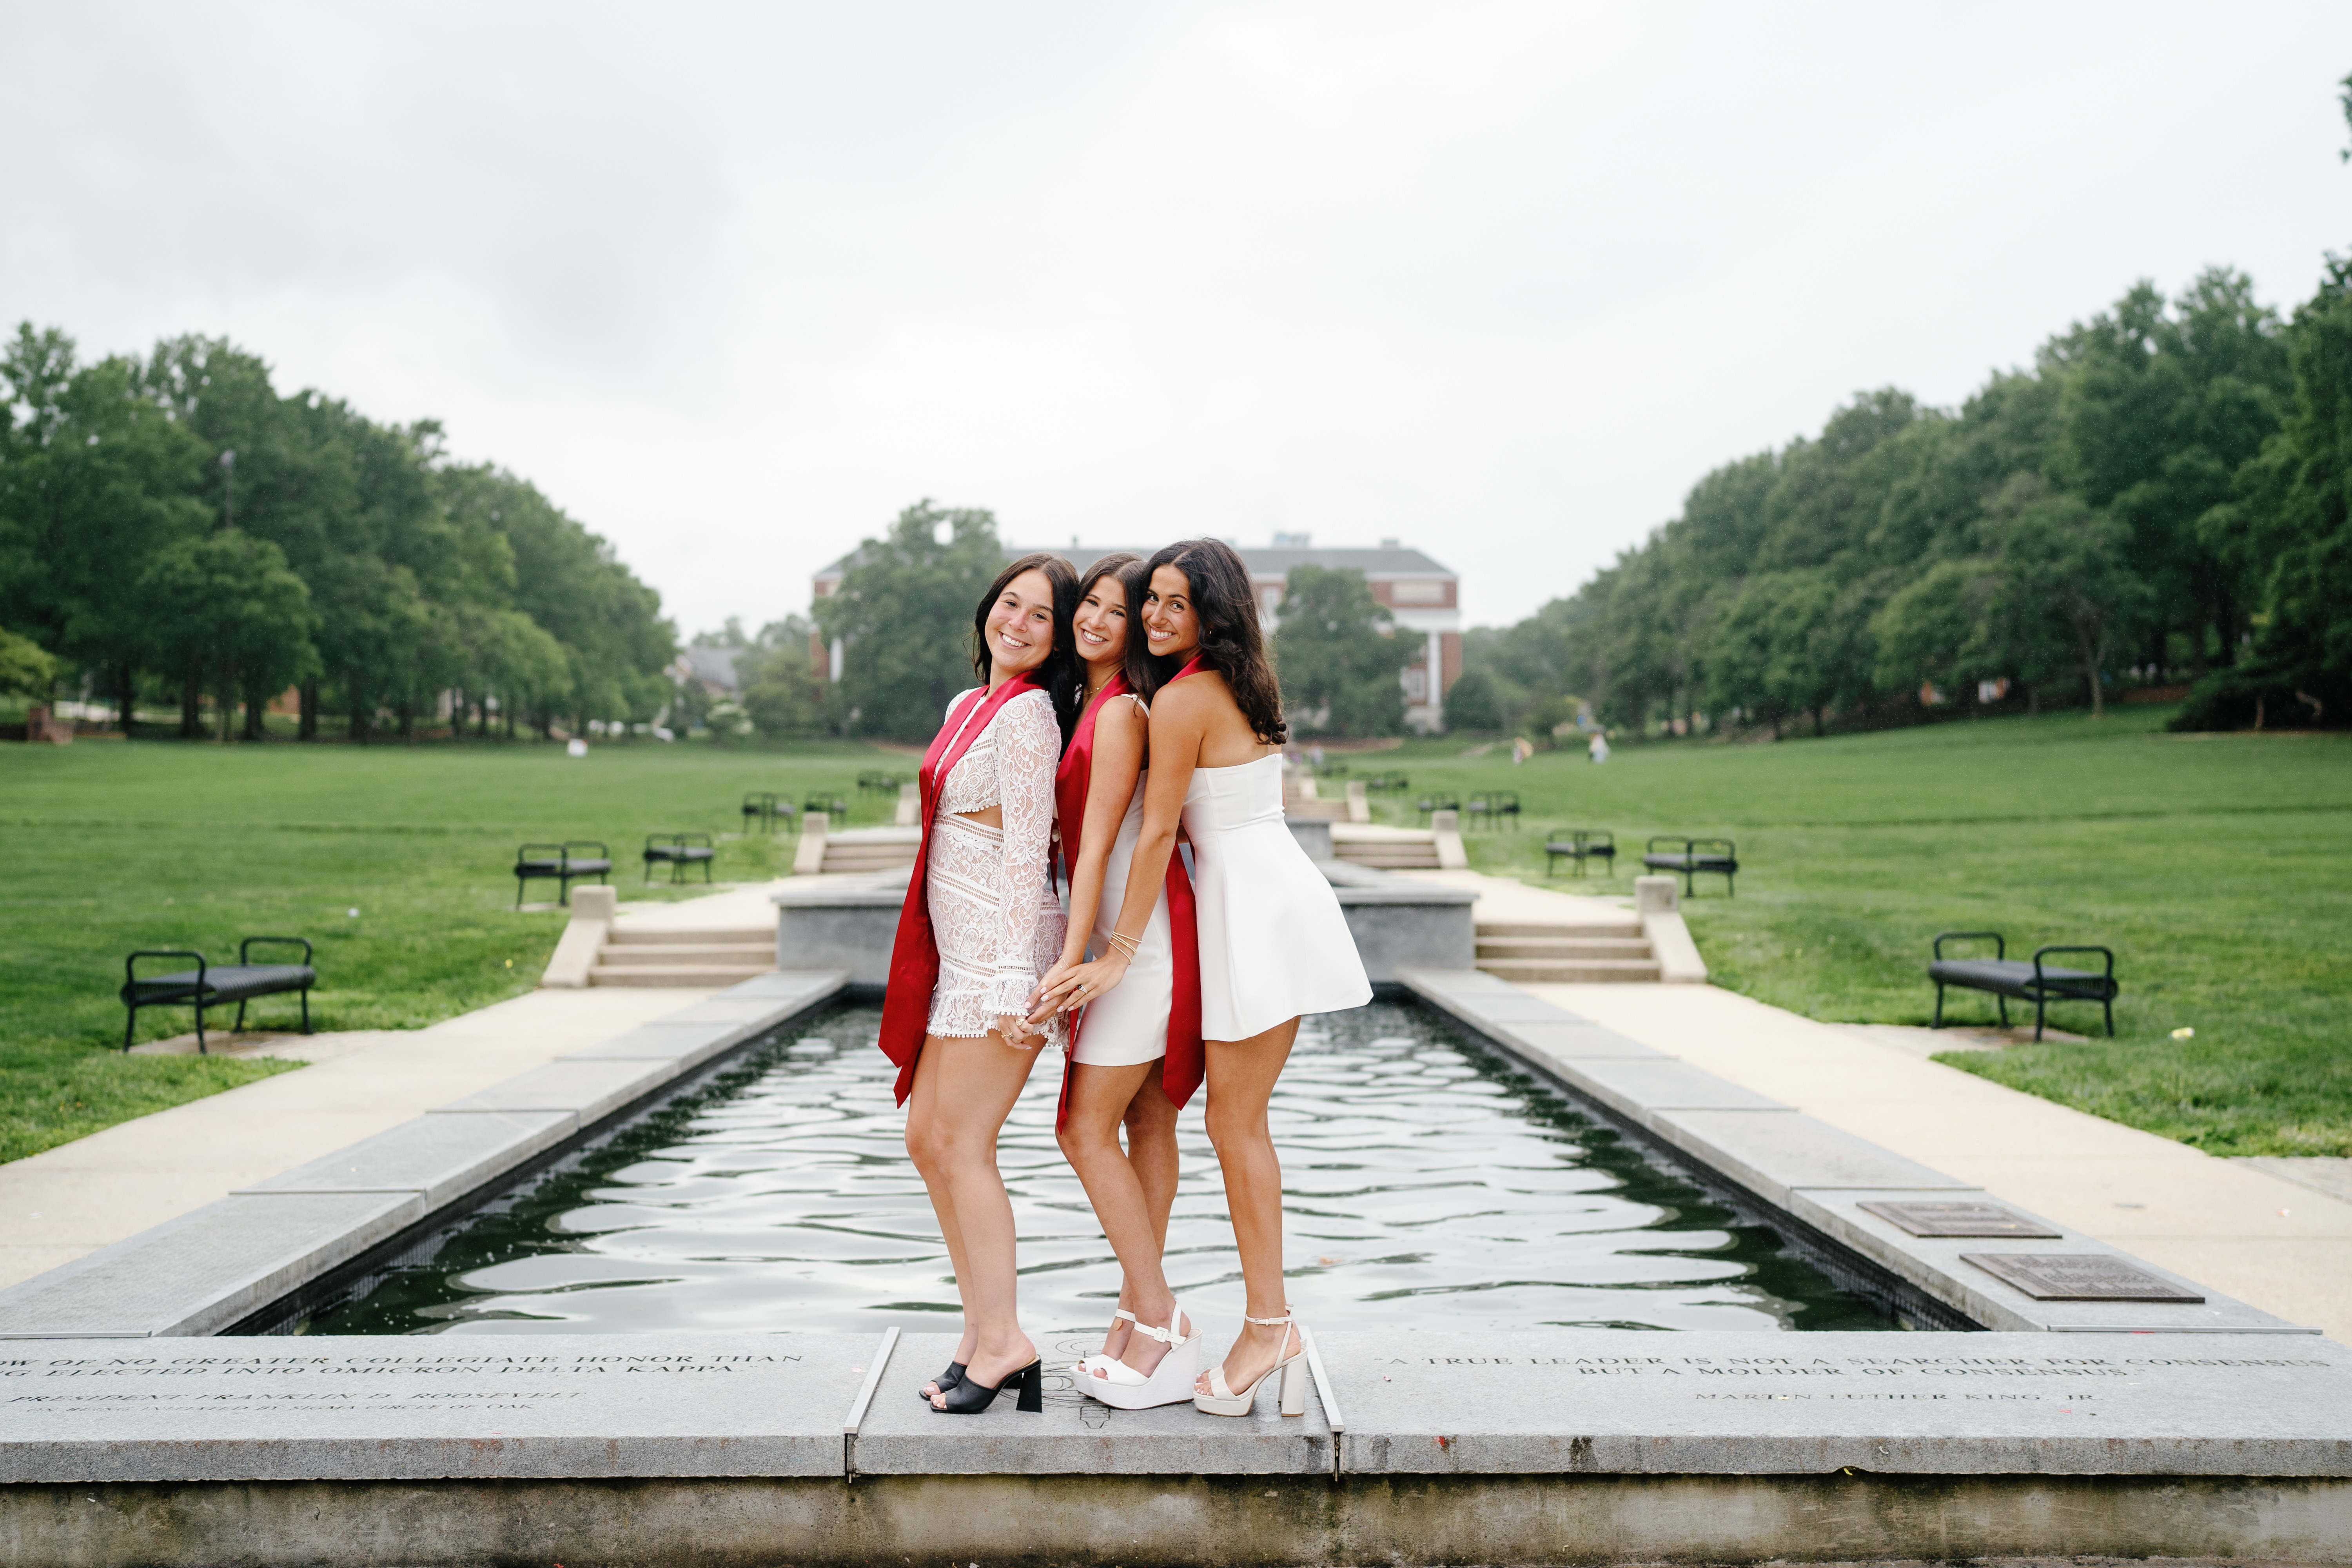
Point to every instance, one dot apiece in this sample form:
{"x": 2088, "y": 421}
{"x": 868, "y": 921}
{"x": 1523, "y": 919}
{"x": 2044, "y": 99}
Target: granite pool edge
{"x": 1817, "y": 1175}
{"x": 213, "y": 1268}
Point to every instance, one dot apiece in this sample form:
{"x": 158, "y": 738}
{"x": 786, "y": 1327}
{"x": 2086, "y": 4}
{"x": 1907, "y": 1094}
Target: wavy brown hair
{"x": 1231, "y": 642}
{"x": 1064, "y": 677}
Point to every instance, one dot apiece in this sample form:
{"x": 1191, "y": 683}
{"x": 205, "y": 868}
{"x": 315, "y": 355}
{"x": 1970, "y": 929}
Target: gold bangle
{"x": 1129, "y": 945}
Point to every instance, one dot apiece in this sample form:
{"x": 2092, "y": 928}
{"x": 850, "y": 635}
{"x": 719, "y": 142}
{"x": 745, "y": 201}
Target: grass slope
{"x": 164, "y": 845}
{"x": 2218, "y": 867}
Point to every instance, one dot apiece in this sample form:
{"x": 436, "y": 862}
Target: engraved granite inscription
{"x": 1957, "y": 1219}
{"x": 2076, "y": 1277}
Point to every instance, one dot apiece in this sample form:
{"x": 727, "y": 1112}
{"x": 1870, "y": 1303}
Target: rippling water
{"x": 1430, "y": 1184}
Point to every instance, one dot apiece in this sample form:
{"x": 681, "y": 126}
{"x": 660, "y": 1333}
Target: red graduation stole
{"x": 915, "y": 953}
{"x": 1181, "y": 1068}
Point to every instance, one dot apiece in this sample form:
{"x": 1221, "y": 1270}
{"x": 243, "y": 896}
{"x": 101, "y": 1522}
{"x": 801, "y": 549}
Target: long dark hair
{"x": 1064, "y": 677}
{"x": 1231, "y": 642}
{"x": 1127, "y": 569}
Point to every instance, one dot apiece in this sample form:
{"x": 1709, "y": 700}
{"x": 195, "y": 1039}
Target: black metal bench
{"x": 1494, "y": 806}
{"x": 833, "y": 805}
{"x": 1428, "y": 803}
{"x": 1579, "y": 845}
{"x": 1717, "y": 857}
{"x": 678, "y": 851}
{"x": 211, "y": 985}
{"x": 1387, "y": 784}
{"x": 558, "y": 864}
{"x": 2038, "y": 982}
{"x": 881, "y": 783}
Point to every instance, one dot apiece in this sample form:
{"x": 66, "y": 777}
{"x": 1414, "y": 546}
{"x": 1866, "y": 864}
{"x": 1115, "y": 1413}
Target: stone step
{"x": 703, "y": 975}
{"x": 1567, "y": 947}
{"x": 1540, "y": 971}
{"x": 1629, "y": 926}
{"x": 725, "y": 954}
{"x": 851, "y": 858}
{"x": 1388, "y": 856}
{"x": 622, "y": 936}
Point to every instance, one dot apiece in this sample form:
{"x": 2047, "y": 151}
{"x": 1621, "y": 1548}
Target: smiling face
{"x": 1171, "y": 624}
{"x": 1020, "y": 632}
{"x": 1100, "y": 627}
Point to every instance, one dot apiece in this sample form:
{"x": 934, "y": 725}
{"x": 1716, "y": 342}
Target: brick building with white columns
{"x": 1422, "y": 596}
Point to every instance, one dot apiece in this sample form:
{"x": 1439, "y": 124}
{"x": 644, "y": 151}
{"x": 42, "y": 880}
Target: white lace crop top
{"x": 1022, "y": 744}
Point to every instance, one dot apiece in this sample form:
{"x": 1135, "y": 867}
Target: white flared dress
{"x": 993, "y": 912}
{"x": 1274, "y": 944}
{"x": 1130, "y": 1022}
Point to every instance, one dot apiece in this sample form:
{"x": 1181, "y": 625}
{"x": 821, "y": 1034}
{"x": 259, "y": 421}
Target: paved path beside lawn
{"x": 80, "y": 1197}
{"x": 2285, "y": 1246}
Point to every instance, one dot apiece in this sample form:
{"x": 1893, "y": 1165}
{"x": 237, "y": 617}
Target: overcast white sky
{"x": 734, "y": 284}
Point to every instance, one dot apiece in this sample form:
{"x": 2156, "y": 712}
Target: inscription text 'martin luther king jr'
{"x": 1951, "y": 1404}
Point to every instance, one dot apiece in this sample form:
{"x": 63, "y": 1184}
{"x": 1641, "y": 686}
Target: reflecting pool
{"x": 1432, "y": 1184}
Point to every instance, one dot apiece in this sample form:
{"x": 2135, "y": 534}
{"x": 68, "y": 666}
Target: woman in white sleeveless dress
{"x": 981, "y": 922}
{"x": 1274, "y": 943}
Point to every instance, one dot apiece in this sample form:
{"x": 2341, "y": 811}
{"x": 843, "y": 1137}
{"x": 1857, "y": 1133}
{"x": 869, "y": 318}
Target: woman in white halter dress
{"x": 1274, "y": 943}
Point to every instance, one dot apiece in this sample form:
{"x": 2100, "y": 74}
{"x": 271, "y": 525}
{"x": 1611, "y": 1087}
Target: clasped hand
{"x": 1069, "y": 987}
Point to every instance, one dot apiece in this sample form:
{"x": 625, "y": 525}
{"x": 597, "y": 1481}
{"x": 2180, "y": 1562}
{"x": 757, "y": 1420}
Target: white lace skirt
{"x": 967, "y": 859}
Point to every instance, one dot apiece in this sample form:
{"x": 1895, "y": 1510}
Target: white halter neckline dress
{"x": 1273, "y": 942}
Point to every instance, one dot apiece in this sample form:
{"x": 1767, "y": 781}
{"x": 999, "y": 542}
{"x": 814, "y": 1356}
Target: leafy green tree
{"x": 24, "y": 668}
{"x": 2066, "y": 579}
{"x": 901, "y": 614}
{"x": 225, "y": 609}
{"x": 1473, "y": 703}
{"x": 780, "y": 688}
{"x": 1934, "y": 630}
{"x": 1338, "y": 654}
{"x": 95, "y": 480}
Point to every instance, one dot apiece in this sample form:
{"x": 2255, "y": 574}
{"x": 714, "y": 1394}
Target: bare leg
{"x": 1241, "y": 1082}
{"x": 963, "y": 1091}
{"x": 1101, "y": 1098}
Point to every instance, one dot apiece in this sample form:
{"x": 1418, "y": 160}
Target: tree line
{"x": 902, "y": 616}
{"x": 2163, "y": 497}
{"x": 173, "y": 529}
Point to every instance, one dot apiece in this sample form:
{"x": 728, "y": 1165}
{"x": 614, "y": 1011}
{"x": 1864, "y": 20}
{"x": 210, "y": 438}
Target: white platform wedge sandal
{"x": 1122, "y": 1387}
{"x": 1222, "y": 1401}
{"x": 1086, "y": 1365}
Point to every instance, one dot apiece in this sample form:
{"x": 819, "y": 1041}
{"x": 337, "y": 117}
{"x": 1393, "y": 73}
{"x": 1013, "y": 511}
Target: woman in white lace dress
{"x": 980, "y": 925}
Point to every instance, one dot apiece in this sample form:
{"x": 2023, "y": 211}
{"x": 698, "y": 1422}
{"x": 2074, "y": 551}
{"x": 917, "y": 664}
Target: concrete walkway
{"x": 64, "y": 1202}
{"x": 2285, "y": 1247}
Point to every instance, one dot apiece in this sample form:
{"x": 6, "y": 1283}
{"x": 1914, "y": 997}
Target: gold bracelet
{"x": 1132, "y": 946}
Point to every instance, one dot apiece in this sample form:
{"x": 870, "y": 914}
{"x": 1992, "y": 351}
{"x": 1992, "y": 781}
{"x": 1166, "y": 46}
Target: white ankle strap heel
{"x": 1222, "y": 1401}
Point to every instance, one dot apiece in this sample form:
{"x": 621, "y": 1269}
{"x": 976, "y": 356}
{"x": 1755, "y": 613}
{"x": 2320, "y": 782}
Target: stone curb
{"x": 211, "y": 1269}
{"x": 1816, "y": 1173}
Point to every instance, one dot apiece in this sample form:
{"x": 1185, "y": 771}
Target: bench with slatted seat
{"x": 2039, "y": 982}
{"x": 1687, "y": 857}
{"x": 215, "y": 985}
{"x": 1579, "y": 845}
{"x": 560, "y": 864}
{"x": 678, "y": 851}
{"x": 762, "y": 810}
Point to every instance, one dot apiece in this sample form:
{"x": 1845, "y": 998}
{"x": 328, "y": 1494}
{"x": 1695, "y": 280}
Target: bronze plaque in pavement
{"x": 1958, "y": 1220}
{"x": 2077, "y": 1276}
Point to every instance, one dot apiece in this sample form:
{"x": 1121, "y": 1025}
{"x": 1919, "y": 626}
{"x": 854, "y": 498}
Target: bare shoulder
{"x": 1127, "y": 719}
{"x": 1194, "y": 700}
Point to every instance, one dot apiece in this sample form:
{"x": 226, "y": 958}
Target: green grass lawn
{"x": 2218, "y": 867}
{"x": 120, "y": 845}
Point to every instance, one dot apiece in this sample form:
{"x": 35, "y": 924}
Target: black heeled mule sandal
{"x": 970, "y": 1397}
{"x": 945, "y": 1381}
